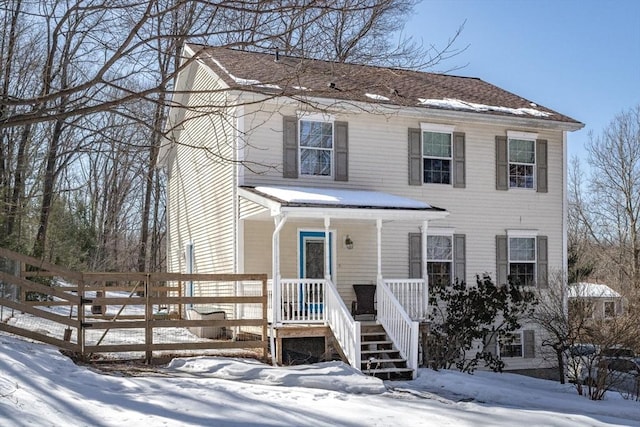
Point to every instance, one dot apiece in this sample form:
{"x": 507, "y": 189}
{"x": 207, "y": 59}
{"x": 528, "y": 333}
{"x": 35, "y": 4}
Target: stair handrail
{"x": 399, "y": 327}
{"x": 345, "y": 329}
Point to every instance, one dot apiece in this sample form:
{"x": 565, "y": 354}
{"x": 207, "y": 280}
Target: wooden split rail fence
{"x": 131, "y": 314}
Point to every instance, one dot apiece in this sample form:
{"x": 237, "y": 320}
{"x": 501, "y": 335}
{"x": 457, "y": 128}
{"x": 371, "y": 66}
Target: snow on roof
{"x": 591, "y": 290}
{"x": 376, "y": 97}
{"x": 245, "y": 82}
{"x": 340, "y": 197}
{"x": 457, "y": 104}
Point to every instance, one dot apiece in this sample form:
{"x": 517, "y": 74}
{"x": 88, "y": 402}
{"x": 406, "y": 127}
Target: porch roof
{"x": 314, "y": 202}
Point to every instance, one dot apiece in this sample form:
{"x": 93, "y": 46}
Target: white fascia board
{"x": 364, "y": 213}
{"x": 422, "y": 113}
{"x": 272, "y": 205}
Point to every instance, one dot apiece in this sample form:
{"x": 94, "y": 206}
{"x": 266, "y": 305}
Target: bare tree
{"x": 610, "y": 213}
{"x": 85, "y": 66}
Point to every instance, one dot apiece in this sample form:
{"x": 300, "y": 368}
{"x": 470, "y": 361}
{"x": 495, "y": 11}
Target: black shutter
{"x": 459, "y": 257}
{"x": 541, "y": 166}
{"x": 341, "y": 149}
{"x": 502, "y": 163}
{"x": 415, "y": 255}
{"x": 543, "y": 262}
{"x": 290, "y": 147}
{"x": 415, "y": 157}
{"x": 459, "y": 173}
{"x": 529, "y": 339}
{"x": 502, "y": 260}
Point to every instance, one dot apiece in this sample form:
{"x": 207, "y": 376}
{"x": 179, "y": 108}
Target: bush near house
{"x": 463, "y": 315}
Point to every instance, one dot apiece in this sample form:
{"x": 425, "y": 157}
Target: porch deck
{"x": 313, "y": 308}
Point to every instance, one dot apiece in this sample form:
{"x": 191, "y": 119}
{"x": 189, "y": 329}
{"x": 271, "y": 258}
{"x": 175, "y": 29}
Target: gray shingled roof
{"x": 296, "y": 77}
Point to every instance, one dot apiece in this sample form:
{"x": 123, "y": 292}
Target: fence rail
{"x": 131, "y": 313}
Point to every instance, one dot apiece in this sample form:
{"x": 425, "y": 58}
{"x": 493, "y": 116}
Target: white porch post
{"x": 279, "y": 222}
{"x": 379, "y": 240}
{"x": 327, "y": 249}
{"x": 425, "y": 274}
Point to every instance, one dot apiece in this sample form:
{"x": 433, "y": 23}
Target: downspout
{"x": 279, "y": 220}
{"x": 565, "y": 244}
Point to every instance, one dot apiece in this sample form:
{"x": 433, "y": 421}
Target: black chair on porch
{"x": 363, "y": 308}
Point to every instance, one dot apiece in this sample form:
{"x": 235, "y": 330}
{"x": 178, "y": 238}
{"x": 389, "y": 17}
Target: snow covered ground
{"x": 41, "y": 387}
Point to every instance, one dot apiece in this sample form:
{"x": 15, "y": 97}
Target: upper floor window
{"x": 522, "y": 260}
{"x": 440, "y": 259}
{"x": 436, "y": 155}
{"x": 522, "y": 162}
{"x": 436, "y": 149}
{"x": 316, "y": 147}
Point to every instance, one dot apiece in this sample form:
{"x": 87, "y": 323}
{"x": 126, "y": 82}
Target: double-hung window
{"x": 316, "y": 147}
{"x": 437, "y": 153}
{"x": 522, "y": 159}
{"x": 440, "y": 259}
{"x": 511, "y": 345}
{"x": 522, "y": 260}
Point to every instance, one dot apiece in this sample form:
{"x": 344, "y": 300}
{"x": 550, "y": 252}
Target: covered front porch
{"x": 321, "y": 220}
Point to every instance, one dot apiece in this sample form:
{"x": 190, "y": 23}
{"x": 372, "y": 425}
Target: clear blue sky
{"x": 578, "y": 57}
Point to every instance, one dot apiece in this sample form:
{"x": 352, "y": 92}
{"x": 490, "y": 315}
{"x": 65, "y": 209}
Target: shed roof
{"x": 591, "y": 290}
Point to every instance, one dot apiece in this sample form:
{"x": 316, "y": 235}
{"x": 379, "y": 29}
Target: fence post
{"x": 148, "y": 314}
{"x": 81, "y": 325}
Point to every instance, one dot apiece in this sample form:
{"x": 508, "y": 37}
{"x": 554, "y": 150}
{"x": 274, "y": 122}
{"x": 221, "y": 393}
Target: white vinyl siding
{"x": 201, "y": 186}
{"x": 478, "y": 203}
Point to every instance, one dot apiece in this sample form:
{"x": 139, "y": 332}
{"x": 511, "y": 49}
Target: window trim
{"x": 316, "y": 118}
{"x": 516, "y": 333}
{"x": 523, "y": 136}
{"x": 443, "y": 232}
{"x": 523, "y": 234}
{"x": 443, "y": 129}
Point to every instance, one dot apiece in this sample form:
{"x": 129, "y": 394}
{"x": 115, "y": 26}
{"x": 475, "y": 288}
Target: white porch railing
{"x": 316, "y": 301}
{"x": 401, "y": 329}
{"x": 413, "y": 296}
{"x": 301, "y": 301}
{"x": 344, "y": 327}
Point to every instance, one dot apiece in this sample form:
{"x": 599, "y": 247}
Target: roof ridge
{"x": 328, "y": 61}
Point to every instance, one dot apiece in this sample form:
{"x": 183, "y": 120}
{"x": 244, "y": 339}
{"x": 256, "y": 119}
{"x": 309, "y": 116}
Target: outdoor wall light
{"x": 348, "y": 243}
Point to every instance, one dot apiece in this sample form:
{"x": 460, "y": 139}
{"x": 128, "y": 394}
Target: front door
{"x": 312, "y": 266}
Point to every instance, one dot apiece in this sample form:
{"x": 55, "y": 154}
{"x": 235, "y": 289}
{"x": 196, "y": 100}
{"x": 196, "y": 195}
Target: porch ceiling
{"x": 312, "y": 202}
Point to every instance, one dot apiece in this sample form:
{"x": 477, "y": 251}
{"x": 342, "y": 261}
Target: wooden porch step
{"x": 390, "y": 373}
{"x": 372, "y": 361}
{"x": 385, "y": 342}
{"x": 379, "y": 358}
{"x": 382, "y": 350}
{"x": 386, "y": 370}
{"x": 373, "y": 334}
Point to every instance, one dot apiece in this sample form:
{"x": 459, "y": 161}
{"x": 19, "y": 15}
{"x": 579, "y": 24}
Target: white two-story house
{"x": 329, "y": 175}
